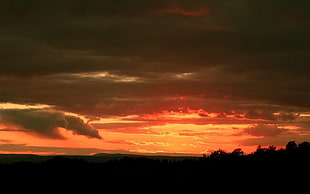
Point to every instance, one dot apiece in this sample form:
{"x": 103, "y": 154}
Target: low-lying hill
{"x": 267, "y": 169}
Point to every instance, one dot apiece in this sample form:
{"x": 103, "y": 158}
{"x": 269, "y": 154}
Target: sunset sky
{"x": 153, "y": 76}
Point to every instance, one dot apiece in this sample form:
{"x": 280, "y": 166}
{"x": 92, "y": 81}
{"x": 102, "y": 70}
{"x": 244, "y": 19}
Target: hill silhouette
{"x": 266, "y": 168}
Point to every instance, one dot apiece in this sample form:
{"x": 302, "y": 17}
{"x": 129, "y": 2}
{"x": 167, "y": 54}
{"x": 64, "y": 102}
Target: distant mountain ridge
{"x": 99, "y": 157}
{"x": 267, "y": 168}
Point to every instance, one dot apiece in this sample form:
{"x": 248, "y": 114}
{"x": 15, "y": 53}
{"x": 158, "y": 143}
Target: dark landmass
{"x": 96, "y": 158}
{"x": 267, "y": 169}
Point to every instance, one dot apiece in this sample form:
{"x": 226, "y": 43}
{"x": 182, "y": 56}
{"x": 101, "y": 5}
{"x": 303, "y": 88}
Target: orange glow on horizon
{"x": 181, "y": 131}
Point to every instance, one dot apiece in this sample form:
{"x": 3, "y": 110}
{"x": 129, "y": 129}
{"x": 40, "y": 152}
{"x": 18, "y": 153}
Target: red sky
{"x": 163, "y": 77}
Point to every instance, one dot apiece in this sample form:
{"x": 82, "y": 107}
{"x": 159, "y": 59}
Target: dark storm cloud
{"x": 264, "y": 130}
{"x": 70, "y": 36}
{"x": 78, "y": 126}
{"x": 239, "y": 51}
{"x": 45, "y": 123}
{"x": 255, "y": 114}
{"x": 106, "y": 96}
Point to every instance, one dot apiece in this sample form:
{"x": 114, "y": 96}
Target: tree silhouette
{"x": 304, "y": 146}
{"x": 291, "y": 146}
{"x": 271, "y": 148}
{"x": 237, "y": 152}
{"x": 261, "y": 150}
{"x": 218, "y": 154}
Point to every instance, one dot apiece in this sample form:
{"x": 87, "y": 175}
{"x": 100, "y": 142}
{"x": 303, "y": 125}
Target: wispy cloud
{"x": 178, "y": 9}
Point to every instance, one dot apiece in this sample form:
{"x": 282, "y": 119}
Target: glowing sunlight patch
{"x": 107, "y": 75}
{"x": 124, "y": 119}
{"x": 184, "y": 75}
{"x": 23, "y": 106}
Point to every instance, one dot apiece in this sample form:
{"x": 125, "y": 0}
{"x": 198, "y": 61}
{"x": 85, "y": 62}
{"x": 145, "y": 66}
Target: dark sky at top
{"x": 223, "y": 55}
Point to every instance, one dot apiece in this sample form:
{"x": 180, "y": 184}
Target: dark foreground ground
{"x": 267, "y": 171}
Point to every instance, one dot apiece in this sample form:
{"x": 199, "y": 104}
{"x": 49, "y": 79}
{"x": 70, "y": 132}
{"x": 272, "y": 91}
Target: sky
{"x": 171, "y": 77}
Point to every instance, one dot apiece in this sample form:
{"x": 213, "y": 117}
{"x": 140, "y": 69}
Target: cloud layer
{"x": 260, "y": 54}
{"x": 45, "y": 123}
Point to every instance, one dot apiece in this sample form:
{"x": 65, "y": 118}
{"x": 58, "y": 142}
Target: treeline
{"x": 291, "y": 149}
{"x": 264, "y": 167}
